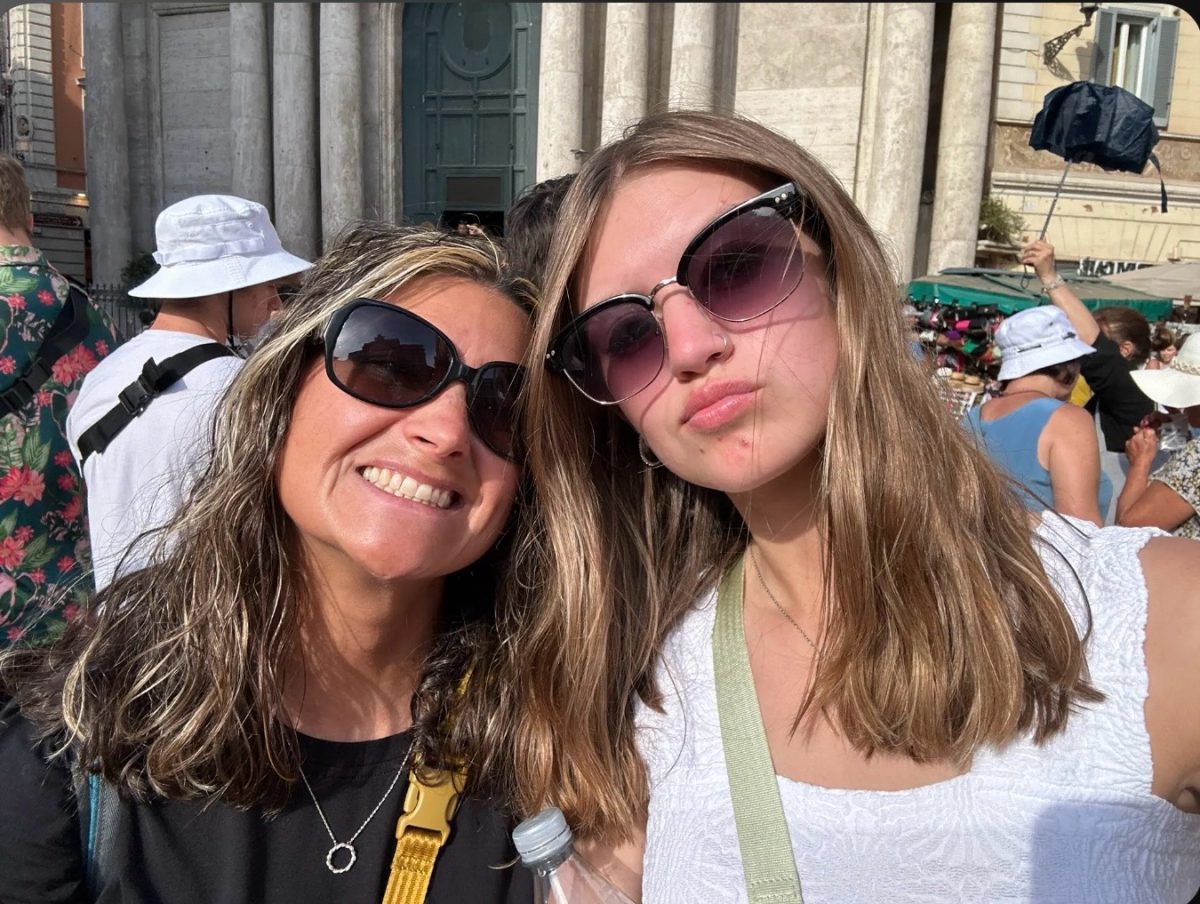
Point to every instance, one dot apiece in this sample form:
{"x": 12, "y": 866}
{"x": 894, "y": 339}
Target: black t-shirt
{"x": 1122, "y": 405}
{"x": 186, "y": 851}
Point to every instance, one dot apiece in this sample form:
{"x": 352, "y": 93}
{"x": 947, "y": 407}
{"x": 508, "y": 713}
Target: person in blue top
{"x": 1045, "y": 443}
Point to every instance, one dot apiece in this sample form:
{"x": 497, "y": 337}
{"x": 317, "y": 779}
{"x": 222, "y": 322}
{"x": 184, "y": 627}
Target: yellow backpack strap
{"x": 422, "y": 829}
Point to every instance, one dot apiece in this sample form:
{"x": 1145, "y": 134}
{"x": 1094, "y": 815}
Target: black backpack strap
{"x": 69, "y": 329}
{"x": 155, "y": 379}
{"x": 99, "y": 808}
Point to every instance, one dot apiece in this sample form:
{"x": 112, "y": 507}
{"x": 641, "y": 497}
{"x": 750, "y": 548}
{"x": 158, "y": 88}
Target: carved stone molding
{"x": 1179, "y": 157}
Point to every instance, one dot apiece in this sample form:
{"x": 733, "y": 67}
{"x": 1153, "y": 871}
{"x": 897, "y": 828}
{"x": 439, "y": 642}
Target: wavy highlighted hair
{"x": 173, "y": 683}
{"x": 943, "y": 633}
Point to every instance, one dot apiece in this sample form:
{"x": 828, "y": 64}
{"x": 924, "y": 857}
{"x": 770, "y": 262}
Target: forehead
{"x": 483, "y": 324}
{"x": 652, "y": 216}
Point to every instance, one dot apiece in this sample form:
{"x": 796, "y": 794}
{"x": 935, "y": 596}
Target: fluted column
{"x": 626, "y": 49}
{"x": 693, "y": 56}
{"x": 107, "y": 143}
{"x": 963, "y": 138}
{"x": 901, "y": 121}
{"x": 250, "y": 101}
{"x": 295, "y": 128}
{"x": 560, "y": 90}
{"x": 341, "y": 118}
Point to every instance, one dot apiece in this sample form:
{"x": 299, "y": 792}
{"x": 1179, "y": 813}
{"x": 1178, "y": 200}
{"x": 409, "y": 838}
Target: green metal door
{"x": 470, "y": 109}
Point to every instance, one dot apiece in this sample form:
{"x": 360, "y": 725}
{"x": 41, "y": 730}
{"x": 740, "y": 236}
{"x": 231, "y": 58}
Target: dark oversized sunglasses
{"x": 738, "y": 267}
{"x": 388, "y": 356}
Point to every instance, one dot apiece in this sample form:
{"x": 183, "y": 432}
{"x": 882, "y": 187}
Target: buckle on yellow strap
{"x": 430, "y": 806}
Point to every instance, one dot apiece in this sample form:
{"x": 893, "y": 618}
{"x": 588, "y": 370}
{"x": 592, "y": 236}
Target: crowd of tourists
{"x": 645, "y": 512}
{"x": 1095, "y": 414}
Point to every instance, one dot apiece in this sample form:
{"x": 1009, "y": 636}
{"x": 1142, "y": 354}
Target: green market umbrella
{"x": 1011, "y": 291}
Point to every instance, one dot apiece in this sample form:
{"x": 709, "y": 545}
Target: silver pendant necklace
{"x": 348, "y": 845}
{"x": 771, "y": 597}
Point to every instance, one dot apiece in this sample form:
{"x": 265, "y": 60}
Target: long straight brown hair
{"x": 945, "y": 635}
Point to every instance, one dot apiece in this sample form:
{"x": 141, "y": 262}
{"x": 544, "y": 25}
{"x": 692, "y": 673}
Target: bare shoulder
{"x": 1171, "y": 566}
{"x": 1172, "y": 569}
{"x": 1071, "y": 419}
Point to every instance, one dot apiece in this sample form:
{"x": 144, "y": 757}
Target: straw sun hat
{"x": 1177, "y": 385}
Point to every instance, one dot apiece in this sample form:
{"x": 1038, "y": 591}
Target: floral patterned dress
{"x": 1182, "y": 474}
{"x": 44, "y": 563}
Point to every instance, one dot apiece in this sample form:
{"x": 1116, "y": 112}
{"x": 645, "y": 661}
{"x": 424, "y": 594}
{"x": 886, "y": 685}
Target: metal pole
{"x": 1053, "y": 202}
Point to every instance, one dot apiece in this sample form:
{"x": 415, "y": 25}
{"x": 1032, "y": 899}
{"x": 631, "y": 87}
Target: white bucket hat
{"x": 1035, "y": 338}
{"x": 208, "y": 244}
{"x": 1178, "y": 384}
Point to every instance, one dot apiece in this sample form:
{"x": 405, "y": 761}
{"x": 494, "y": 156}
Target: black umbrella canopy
{"x": 1101, "y": 124}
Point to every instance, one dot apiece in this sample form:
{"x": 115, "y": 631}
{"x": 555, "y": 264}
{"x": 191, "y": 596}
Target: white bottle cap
{"x": 542, "y": 837}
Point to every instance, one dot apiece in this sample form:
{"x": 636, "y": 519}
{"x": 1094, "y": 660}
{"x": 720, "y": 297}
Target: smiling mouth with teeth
{"x": 407, "y": 488}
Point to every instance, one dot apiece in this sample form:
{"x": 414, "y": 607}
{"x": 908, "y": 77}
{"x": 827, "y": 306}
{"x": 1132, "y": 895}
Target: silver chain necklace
{"x": 771, "y": 597}
{"x": 348, "y": 845}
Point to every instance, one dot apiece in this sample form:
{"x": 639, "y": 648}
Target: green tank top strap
{"x": 767, "y": 858}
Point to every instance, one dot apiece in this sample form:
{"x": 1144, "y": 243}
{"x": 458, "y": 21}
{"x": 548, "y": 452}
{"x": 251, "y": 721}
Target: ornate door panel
{"x": 470, "y": 102}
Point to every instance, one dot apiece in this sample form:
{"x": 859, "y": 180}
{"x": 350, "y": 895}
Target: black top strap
{"x": 69, "y": 329}
{"x": 155, "y": 379}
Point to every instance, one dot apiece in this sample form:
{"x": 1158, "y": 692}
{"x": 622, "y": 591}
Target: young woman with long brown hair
{"x": 254, "y": 704}
{"x": 951, "y": 698}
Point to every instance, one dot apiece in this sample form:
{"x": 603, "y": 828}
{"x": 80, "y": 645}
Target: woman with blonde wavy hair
{"x": 245, "y": 718}
{"x": 797, "y": 626}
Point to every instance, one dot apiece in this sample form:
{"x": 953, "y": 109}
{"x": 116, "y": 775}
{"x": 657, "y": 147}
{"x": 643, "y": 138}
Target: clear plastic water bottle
{"x": 1175, "y": 433}
{"x": 560, "y": 875}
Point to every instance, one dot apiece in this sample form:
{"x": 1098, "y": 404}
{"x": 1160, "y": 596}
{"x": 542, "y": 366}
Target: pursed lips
{"x": 713, "y": 393}
{"x": 407, "y": 487}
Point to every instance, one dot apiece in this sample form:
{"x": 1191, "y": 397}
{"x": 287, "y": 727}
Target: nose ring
{"x": 724, "y": 344}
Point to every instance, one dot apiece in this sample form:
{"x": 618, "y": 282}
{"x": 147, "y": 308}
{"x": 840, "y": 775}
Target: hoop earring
{"x": 647, "y": 454}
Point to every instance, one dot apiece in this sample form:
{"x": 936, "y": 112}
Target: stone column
{"x": 693, "y": 56}
{"x": 901, "y": 121}
{"x": 560, "y": 90}
{"x": 295, "y": 127}
{"x": 382, "y": 128}
{"x": 341, "y": 118}
{"x": 962, "y": 141}
{"x": 626, "y": 48}
{"x": 250, "y": 102}
{"x": 107, "y": 142}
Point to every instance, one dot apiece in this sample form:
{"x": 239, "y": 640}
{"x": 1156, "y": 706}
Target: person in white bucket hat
{"x": 1047, "y": 445}
{"x": 1170, "y": 497}
{"x": 139, "y": 427}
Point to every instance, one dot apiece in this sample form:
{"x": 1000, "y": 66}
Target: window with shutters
{"x": 1136, "y": 51}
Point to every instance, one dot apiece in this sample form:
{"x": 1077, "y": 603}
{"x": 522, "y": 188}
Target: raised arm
{"x": 1040, "y": 256}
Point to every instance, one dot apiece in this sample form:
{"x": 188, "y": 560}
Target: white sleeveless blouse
{"x": 1071, "y": 821}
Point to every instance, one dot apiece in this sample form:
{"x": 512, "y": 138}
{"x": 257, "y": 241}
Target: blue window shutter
{"x": 1106, "y": 27}
{"x": 1164, "y": 69}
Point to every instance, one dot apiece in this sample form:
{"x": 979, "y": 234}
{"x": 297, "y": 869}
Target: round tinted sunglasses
{"x": 738, "y": 267}
{"x": 385, "y": 355}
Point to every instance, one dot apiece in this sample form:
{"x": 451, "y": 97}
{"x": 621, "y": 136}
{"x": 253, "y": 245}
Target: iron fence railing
{"x": 129, "y": 315}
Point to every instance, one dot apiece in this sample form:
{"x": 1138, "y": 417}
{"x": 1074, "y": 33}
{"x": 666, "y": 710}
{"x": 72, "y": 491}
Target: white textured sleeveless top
{"x": 1071, "y": 821}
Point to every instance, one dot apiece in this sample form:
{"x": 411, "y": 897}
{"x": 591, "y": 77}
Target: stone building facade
{"x": 41, "y": 123}
{"x": 1102, "y": 221}
{"x": 329, "y": 112}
